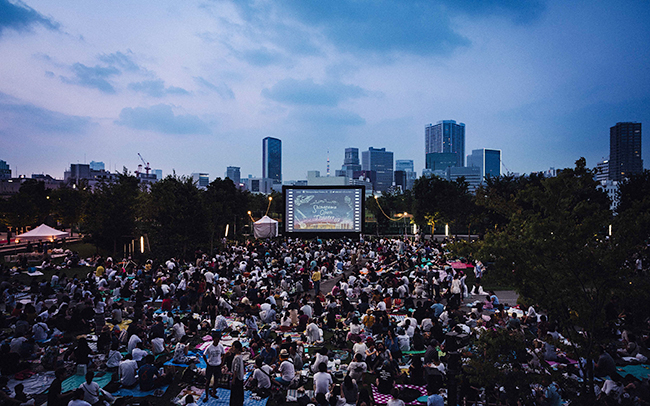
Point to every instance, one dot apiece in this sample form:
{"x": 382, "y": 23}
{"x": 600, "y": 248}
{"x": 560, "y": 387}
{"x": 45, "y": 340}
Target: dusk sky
{"x": 194, "y": 86}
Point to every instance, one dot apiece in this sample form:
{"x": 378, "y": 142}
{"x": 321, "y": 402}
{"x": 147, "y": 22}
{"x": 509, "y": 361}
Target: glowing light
{"x": 141, "y": 244}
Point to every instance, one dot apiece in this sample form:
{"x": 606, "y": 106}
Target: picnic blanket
{"x": 382, "y": 399}
{"x": 224, "y": 399}
{"x": 35, "y": 384}
{"x": 137, "y": 393}
{"x": 640, "y": 371}
{"x": 198, "y": 354}
{"x": 75, "y": 381}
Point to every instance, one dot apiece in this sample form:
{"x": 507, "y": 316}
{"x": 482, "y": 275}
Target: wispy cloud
{"x": 307, "y": 92}
{"x": 121, "y": 60}
{"x": 28, "y": 117}
{"x": 156, "y": 88}
{"x": 93, "y": 77}
{"x": 328, "y": 117}
{"x": 161, "y": 118}
{"x": 222, "y": 89}
{"x": 21, "y": 17}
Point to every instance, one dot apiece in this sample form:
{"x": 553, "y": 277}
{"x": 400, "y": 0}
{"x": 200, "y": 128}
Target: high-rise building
{"x": 202, "y": 180}
{"x": 440, "y": 161}
{"x": 625, "y": 151}
{"x": 472, "y": 176}
{"x": 234, "y": 173}
{"x": 97, "y": 166}
{"x": 380, "y": 161}
{"x": 272, "y": 159}
{"x": 602, "y": 170}
{"x": 158, "y": 173}
{"x": 5, "y": 171}
{"x": 351, "y": 161}
{"x": 446, "y": 136}
{"x": 406, "y": 165}
{"x": 487, "y": 160}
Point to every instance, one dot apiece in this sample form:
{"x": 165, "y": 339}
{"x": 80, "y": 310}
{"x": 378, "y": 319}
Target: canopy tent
{"x": 41, "y": 232}
{"x": 265, "y": 227}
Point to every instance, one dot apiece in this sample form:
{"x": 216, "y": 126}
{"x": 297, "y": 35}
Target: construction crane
{"x": 146, "y": 164}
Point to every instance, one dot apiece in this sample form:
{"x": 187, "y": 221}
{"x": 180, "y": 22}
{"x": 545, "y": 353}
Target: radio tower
{"x": 328, "y": 163}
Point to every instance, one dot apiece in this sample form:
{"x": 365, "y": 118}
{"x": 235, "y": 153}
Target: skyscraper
{"x": 234, "y": 173}
{"x": 351, "y": 161}
{"x": 272, "y": 159}
{"x": 487, "y": 160}
{"x": 380, "y": 161}
{"x": 406, "y": 165}
{"x": 625, "y": 151}
{"x": 446, "y": 136}
{"x": 5, "y": 171}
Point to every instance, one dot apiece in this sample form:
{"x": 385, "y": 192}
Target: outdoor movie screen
{"x": 316, "y": 209}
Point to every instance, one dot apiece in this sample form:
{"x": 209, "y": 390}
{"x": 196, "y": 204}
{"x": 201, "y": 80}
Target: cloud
{"x": 121, "y": 60}
{"x": 21, "y": 17}
{"x": 156, "y": 88}
{"x": 92, "y": 77}
{"x": 29, "y": 117}
{"x": 420, "y": 27}
{"x": 222, "y": 90}
{"x": 328, "y": 117}
{"x": 262, "y": 57}
{"x": 306, "y": 92}
{"x": 161, "y": 118}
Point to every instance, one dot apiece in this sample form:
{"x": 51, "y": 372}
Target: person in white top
{"x": 213, "y": 356}
{"x": 127, "y": 370}
{"x": 322, "y": 381}
{"x": 133, "y": 343}
{"x": 286, "y": 369}
{"x": 91, "y": 389}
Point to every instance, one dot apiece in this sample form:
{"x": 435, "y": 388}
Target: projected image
{"x": 323, "y": 209}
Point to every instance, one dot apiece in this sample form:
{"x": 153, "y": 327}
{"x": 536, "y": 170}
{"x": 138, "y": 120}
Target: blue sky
{"x": 194, "y": 86}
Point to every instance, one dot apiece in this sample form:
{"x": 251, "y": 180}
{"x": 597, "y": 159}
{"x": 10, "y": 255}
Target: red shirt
{"x": 166, "y": 305}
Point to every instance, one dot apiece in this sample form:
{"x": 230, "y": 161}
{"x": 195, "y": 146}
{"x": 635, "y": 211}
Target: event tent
{"x": 265, "y": 227}
{"x": 43, "y": 233}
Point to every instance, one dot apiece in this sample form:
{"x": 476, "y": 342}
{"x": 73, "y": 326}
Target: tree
{"x": 29, "y": 207}
{"x": 111, "y": 212}
{"x": 68, "y": 205}
{"x": 441, "y": 201}
{"x": 554, "y": 251}
{"x": 224, "y": 204}
{"x": 174, "y": 217}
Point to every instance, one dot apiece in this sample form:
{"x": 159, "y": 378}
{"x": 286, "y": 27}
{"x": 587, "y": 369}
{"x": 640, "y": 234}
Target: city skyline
{"x": 195, "y": 86}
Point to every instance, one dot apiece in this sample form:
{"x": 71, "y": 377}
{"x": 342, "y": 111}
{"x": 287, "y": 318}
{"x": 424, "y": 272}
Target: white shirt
{"x": 114, "y": 359}
{"x": 214, "y": 353}
{"x": 179, "y": 331}
{"x": 322, "y": 382}
{"x": 158, "y": 345}
{"x": 91, "y": 392}
{"x": 127, "y": 372}
{"x": 263, "y": 379}
{"x": 287, "y": 370}
{"x": 133, "y": 343}
{"x": 138, "y": 354}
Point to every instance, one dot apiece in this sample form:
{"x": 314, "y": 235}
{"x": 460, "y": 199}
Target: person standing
{"x": 213, "y": 356}
{"x": 237, "y": 385}
{"x": 316, "y": 277}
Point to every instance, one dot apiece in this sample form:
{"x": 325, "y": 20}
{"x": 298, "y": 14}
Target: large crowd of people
{"x": 329, "y": 322}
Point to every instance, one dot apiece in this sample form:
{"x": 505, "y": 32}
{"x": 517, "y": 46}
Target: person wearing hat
{"x": 287, "y": 369}
{"x": 213, "y": 356}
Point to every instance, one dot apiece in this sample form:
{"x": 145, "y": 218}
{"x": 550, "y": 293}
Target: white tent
{"x": 265, "y": 227}
{"x": 41, "y": 232}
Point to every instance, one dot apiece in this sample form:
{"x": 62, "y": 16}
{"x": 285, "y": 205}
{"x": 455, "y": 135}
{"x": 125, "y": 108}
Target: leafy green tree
{"x": 224, "y": 204}
{"x": 554, "y": 251}
{"x": 29, "y": 207}
{"x": 68, "y": 205}
{"x": 111, "y": 212}
{"x": 437, "y": 201}
{"x": 174, "y": 217}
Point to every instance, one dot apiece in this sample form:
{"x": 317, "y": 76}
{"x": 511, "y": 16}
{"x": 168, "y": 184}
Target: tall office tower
{"x": 602, "y": 170}
{"x": 5, "y": 171}
{"x": 351, "y": 161}
{"x": 272, "y": 159}
{"x": 440, "y": 161}
{"x": 406, "y": 165}
{"x": 234, "y": 173}
{"x": 202, "y": 180}
{"x": 625, "y": 151}
{"x": 158, "y": 173}
{"x": 380, "y": 161}
{"x": 97, "y": 166}
{"x": 487, "y": 160}
{"x": 446, "y": 136}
